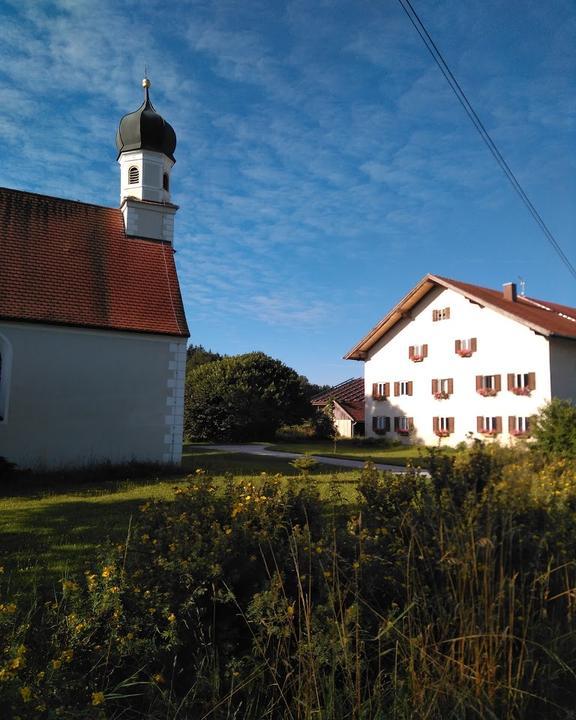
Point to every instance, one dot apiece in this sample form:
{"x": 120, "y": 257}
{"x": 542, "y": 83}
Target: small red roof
{"x": 70, "y": 263}
{"x": 550, "y": 319}
{"x": 351, "y": 390}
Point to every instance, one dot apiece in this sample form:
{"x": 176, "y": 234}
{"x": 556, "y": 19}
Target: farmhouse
{"x": 348, "y": 409}
{"x": 92, "y": 326}
{"x": 453, "y": 360}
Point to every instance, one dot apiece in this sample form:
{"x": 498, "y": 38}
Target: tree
{"x": 554, "y": 429}
{"x": 243, "y": 397}
{"x": 197, "y": 355}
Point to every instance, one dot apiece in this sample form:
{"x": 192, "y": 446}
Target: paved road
{"x": 254, "y": 449}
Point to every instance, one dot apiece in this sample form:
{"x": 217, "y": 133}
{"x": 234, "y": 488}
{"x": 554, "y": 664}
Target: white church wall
{"x": 88, "y": 396}
{"x": 503, "y": 346}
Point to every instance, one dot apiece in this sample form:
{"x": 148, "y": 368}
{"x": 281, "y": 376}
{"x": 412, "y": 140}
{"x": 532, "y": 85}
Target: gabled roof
{"x": 349, "y": 395}
{"x": 70, "y": 263}
{"x": 549, "y": 319}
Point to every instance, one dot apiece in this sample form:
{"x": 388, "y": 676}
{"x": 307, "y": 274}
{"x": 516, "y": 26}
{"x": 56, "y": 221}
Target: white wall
{"x": 503, "y": 346}
{"x": 82, "y": 396}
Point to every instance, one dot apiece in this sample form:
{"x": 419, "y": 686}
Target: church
{"x": 92, "y": 327}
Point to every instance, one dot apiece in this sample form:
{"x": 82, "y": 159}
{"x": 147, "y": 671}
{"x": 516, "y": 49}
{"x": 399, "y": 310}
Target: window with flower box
{"x": 403, "y": 425}
{"x": 519, "y": 426}
{"x": 403, "y": 388}
{"x": 441, "y": 314}
{"x": 442, "y": 388}
{"x": 489, "y": 425}
{"x": 381, "y": 424}
{"x": 443, "y": 426}
{"x": 417, "y": 353}
{"x": 465, "y": 348}
{"x": 488, "y": 385}
{"x": 522, "y": 383}
{"x": 380, "y": 390}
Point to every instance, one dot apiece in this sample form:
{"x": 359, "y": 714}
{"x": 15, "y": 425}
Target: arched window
{"x": 5, "y": 371}
{"x": 166, "y": 182}
{"x": 133, "y": 175}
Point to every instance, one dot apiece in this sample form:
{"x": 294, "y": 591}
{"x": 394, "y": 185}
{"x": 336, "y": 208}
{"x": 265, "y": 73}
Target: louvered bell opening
{"x": 133, "y": 175}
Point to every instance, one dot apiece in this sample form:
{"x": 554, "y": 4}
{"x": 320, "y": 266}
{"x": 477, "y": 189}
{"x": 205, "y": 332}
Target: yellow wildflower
{"x": 67, "y": 655}
{"x": 26, "y": 694}
{"x": 107, "y": 571}
{"x": 97, "y": 698}
{"x": 17, "y": 662}
{"x": 159, "y": 678}
{"x": 171, "y": 618}
{"x": 56, "y": 664}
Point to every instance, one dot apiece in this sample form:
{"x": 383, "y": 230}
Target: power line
{"x": 484, "y": 134}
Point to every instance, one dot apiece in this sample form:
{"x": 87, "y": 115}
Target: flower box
{"x": 489, "y": 433}
{"x": 520, "y": 433}
{"x": 417, "y": 358}
{"x": 464, "y": 353}
{"x": 441, "y": 395}
{"x": 403, "y": 432}
{"x": 442, "y": 433}
{"x": 521, "y": 391}
{"x": 487, "y": 392}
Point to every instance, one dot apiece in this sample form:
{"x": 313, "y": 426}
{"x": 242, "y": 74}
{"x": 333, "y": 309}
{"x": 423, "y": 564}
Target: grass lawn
{"x": 355, "y": 450}
{"x": 52, "y": 526}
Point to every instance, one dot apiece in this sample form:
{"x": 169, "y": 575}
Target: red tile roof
{"x": 349, "y": 391}
{"x": 544, "y": 317}
{"x": 70, "y": 263}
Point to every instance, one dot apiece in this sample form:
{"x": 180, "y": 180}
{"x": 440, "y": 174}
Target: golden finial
{"x": 146, "y": 83}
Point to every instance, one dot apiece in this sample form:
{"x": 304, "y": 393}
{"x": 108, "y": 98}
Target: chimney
{"x": 509, "y": 291}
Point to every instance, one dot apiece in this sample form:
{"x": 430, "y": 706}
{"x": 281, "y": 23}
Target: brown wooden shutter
{"x": 396, "y": 389}
{"x": 434, "y": 315}
{"x": 450, "y": 386}
{"x": 532, "y": 381}
{"x": 497, "y": 383}
{"x": 374, "y": 390}
{"x": 410, "y": 423}
{"x": 510, "y": 381}
{"x": 411, "y": 352}
{"x": 387, "y": 424}
{"x": 473, "y": 344}
{"x": 435, "y": 424}
{"x": 511, "y": 423}
{"x": 387, "y": 389}
{"x": 479, "y": 423}
{"x": 424, "y": 350}
{"x": 451, "y": 424}
{"x": 499, "y": 424}
{"x": 479, "y": 382}
{"x": 457, "y": 346}
{"x": 410, "y": 387}
{"x": 396, "y": 424}
{"x": 447, "y": 313}
{"x": 434, "y": 386}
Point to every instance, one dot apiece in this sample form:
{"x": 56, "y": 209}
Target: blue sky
{"x": 323, "y": 164}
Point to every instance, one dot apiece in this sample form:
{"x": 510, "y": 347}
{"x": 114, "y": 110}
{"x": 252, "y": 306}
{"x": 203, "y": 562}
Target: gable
{"x": 70, "y": 263}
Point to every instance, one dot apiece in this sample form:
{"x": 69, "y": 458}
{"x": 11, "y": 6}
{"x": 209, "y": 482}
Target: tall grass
{"x": 449, "y": 596}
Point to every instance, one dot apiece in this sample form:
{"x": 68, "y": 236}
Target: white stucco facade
{"x": 504, "y": 347}
{"x": 75, "y": 397}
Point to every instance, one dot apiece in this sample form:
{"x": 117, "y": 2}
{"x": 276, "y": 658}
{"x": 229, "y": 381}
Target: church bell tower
{"x": 146, "y": 144}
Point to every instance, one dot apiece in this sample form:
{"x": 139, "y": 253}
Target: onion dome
{"x": 144, "y": 129}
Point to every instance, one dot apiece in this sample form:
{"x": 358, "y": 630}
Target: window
{"x": 403, "y": 425}
{"x": 380, "y": 390}
{"x": 381, "y": 424}
{"x": 443, "y": 426}
{"x": 442, "y": 388}
{"x": 403, "y": 388}
{"x": 133, "y": 175}
{"x": 443, "y": 314}
{"x": 519, "y": 426}
{"x": 489, "y": 425}
{"x": 522, "y": 383}
{"x": 465, "y": 348}
{"x": 166, "y": 182}
{"x": 417, "y": 353}
{"x": 5, "y": 370}
{"x": 488, "y": 385}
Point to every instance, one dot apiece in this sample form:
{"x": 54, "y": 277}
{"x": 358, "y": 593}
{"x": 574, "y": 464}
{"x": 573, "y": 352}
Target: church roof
{"x": 70, "y": 263}
{"x": 547, "y": 318}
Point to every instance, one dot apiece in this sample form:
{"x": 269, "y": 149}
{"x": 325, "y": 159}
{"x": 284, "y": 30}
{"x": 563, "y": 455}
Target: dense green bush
{"x": 554, "y": 429}
{"x": 242, "y": 398}
{"x": 441, "y": 596}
